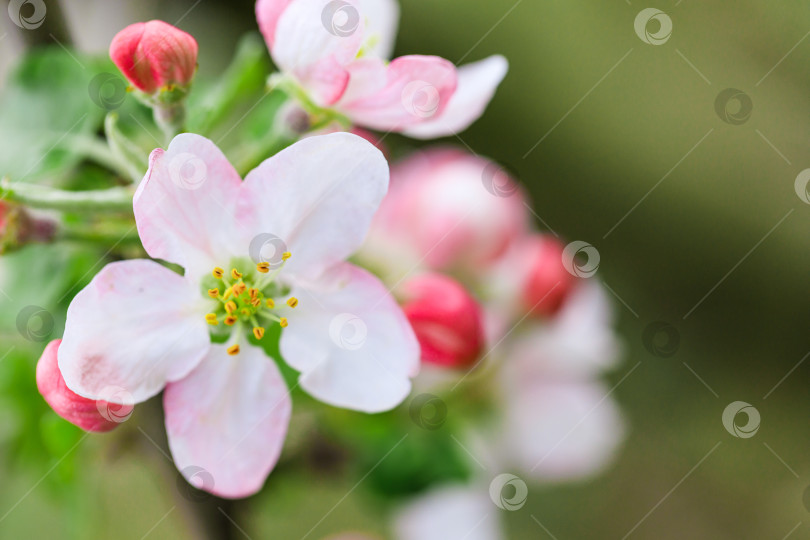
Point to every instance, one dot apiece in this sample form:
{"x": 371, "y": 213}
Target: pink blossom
{"x": 88, "y": 414}
{"x": 264, "y": 254}
{"x": 336, "y": 52}
{"x": 154, "y": 54}
{"x": 446, "y": 319}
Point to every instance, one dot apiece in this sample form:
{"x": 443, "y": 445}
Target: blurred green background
{"x": 697, "y": 223}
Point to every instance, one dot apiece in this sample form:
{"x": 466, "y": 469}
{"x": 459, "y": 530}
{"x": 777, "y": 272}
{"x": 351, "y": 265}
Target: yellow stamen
{"x": 270, "y": 303}
{"x": 239, "y": 288}
{"x": 230, "y": 307}
{"x": 213, "y": 293}
{"x": 218, "y": 272}
{"x": 233, "y": 350}
{"x": 286, "y": 255}
{"x": 227, "y": 294}
{"x": 235, "y": 273}
{"x": 230, "y": 320}
{"x": 255, "y": 302}
{"x": 283, "y": 322}
{"x": 258, "y": 332}
{"x": 263, "y": 267}
{"x": 292, "y": 301}
{"x": 253, "y": 292}
{"x": 211, "y": 319}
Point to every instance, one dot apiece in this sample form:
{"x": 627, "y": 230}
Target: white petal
{"x": 477, "y": 83}
{"x": 449, "y": 513}
{"x": 351, "y": 342}
{"x": 134, "y": 328}
{"x": 318, "y": 196}
{"x": 227, "y": 421}
{"x": 381, "y": 18}
{"x": 184, "y": 207}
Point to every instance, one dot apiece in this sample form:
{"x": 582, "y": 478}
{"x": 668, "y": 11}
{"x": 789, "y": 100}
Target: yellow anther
{"x": 211, "y": 319}
{"x": 245, "y": 312}
{"x": 230, "y": 307}
{"x": 235, "y": 274}
{"x": 263, "y": 267}
{"x": 283, "y": 322}
{"x": 213, "y": 293}
{"x": 253, "y": 292}
{"x": 239, "y": 288}
{"x": 258, "y": 332}
{"x": 256, "y": 302}
{"x": 286, "y": 255}
{"x": 292, "y": 301}
{"x": 233, "y": 350}
{"x": 230, "y": 320}
{"x": 218, "y": 272}
{"x": 270, "y": 303}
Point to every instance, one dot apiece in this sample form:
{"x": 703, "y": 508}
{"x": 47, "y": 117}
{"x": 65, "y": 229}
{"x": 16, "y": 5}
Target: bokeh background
{"x": 697, "y": 221}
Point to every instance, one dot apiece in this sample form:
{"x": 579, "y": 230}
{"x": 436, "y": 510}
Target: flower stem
{"x": 95, "y": 149}
{"x": 37, "y": 196}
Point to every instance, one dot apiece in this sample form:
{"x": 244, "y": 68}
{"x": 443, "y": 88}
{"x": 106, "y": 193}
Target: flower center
{"x": 252, "y": 299}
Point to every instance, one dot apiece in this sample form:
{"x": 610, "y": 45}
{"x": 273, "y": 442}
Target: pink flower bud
{"x": 88, "y": 414}
{"x": 446, "y": 319}
{"x": 154, "y": 54}
{"x": 547, "y": 283}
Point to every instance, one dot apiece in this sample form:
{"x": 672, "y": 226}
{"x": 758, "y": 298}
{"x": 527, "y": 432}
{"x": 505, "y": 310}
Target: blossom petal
{"x": 134, "y": 328}
{"x": 381, "y": 19}
{"x": 351, "y": 342}
{"x": 268, "y": 13}
{"x": 227, "y": 421}
{"x": 477, "y": 83}
{"x": 184, "y": 207}
{"x": 318, "y": 196}
{"x": 314, "y": 40}
{"x": 417, "y": 88}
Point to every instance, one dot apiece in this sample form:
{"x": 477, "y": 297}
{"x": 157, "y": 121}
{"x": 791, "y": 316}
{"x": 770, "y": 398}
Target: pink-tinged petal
{"x": 351, "y": 342}
{"x": 185, "y": 205}
{"x": 88, "y": 414}
{"x": 477, "y": 83}
{"x": 227, "y": 421}
{"x": 134, "y": 328}
{"x": 450, "y": 512}
{"x": 417, "y": 89}
{"x": 318, "y": 196}
{"x": 381, "y": 19}
{"x": 314, "y": 41}
{"x": 268, "y": 13}
{"x": 560, "y": 430}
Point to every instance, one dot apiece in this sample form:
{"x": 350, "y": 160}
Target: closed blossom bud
{"x": 88, "y": 414}
{"x": 547, "y": 283}
{"x": 18, "y": 227}
{"x": 447, "y": 320}
{"x": 154, "y": 55}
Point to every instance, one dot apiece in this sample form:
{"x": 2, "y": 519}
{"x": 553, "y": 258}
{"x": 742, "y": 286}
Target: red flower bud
{"x": 447, "y": 320}
{"x": 154, "y": 54}
{"x": 88, "y": 414}
{"x": 547, "y": 283}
